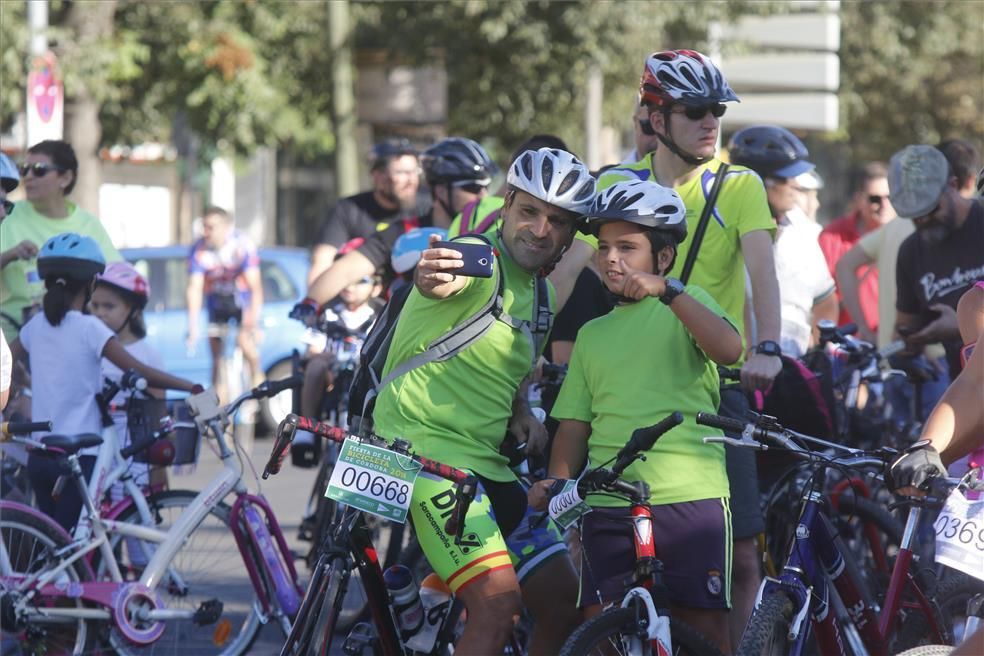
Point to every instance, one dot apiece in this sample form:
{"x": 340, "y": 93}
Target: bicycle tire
{"x": 212, "y": 566}
{"x": 928, "y": 650}
{"x": 597, "y": 636}
{"x": 767, "y": 630}
{"x": 31, "y": 544}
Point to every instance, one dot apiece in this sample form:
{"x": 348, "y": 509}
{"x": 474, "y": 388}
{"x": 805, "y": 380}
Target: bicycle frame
{"x": 355, "y": 535}
{"x": 815, "y": 561}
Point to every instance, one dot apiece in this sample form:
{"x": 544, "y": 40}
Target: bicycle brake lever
{"x": 748, "y": 444}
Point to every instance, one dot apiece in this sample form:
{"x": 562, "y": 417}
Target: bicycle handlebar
{"x": 643, "y": 439}
{"x": 467, "y": 484}
{"x": 766, "y": 429}
{"x": 10, "y": 428}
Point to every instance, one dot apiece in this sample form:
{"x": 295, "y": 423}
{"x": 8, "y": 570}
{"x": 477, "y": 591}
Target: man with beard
{"x": 457, "y": 411}
{"x": 944, "y": 257}
{"x": 395, "y": 178}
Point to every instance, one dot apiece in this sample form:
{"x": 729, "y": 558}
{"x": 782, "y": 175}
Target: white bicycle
{"x": 207, "y": 575}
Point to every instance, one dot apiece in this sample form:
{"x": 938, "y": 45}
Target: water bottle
{"x": 435, "y": 597}
{"x": 406, "y": 600}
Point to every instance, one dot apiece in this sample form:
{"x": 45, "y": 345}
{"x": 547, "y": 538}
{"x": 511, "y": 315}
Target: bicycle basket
{"x": 143, "y": 417}
{"x": 186, "y": 438}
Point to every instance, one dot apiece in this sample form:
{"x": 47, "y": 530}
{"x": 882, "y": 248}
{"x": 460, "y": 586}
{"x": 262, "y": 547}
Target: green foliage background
{"x": 249, "y": 72}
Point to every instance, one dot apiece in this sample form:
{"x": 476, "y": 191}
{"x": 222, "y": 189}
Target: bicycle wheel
{"x": 623, "y": 631}
{"x": 209, "y": 566}
{"x": 768, "y": 629}
{"x": 31, "y": 545}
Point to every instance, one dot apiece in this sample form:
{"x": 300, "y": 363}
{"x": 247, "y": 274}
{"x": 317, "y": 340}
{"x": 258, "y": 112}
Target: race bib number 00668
{"x": 960, "y": 535}
{"x": 373, "y": 479}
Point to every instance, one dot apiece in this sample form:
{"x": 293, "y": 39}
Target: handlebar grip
{"x": 281, "y": 445}
{"x": 137, "y": 447}
{"x": 726, "y": 424}
{"x": 274, "y": 387}
{"x": 643, "y": 438}
{"x": 9, "y": 428}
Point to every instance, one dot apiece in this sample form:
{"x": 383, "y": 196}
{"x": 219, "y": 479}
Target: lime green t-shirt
{"x": 630, "y": 369}
{"x": 741, "y": 208}
{"x": 20, "y": 284}
{"x": 457, "y": 411}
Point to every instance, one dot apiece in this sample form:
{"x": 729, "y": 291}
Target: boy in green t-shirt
{"x": 653, "y": 354}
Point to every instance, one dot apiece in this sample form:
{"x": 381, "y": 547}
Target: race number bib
{"x": 374, "y": 480}
{"x": 960, "y": 535}
{"x": 568, "y": 506}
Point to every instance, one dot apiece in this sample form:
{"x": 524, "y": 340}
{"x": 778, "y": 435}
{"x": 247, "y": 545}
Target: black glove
{"x": 916, "y": 466}
{"x": 304, "y": 311}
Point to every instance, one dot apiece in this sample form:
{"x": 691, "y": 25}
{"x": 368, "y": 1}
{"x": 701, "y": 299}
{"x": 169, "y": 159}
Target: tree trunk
{"x": 90, "y": 23}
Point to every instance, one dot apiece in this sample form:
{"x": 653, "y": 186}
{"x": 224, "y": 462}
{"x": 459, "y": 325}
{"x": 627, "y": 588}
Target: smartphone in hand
{"x": 479, "y": 259}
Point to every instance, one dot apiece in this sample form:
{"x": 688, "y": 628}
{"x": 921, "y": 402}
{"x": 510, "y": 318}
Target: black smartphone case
{"x": 478, "y": 258}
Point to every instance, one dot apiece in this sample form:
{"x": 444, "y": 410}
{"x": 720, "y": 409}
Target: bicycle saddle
{"x": 72, "y": 443}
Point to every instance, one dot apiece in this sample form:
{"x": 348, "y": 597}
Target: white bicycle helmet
{"x": 644, "y": 203}
{"x": 555, "y": 177}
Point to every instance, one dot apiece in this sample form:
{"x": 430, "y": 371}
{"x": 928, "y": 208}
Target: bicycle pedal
{"x": 361, "y": 636}
{"x": 208, "y": 612}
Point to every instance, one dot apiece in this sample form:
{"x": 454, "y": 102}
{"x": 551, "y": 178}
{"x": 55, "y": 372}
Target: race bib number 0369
{"x": 373, "y": 479}
{"x": 960, "y": 535}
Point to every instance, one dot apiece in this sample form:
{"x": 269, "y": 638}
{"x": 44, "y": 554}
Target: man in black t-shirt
{"x": 395, "y": 178}
{"x": 457, "y": 170}
{"x": 944, "y": 257}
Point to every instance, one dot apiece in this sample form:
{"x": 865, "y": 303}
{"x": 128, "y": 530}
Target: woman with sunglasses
{"x": 48, "y": 174}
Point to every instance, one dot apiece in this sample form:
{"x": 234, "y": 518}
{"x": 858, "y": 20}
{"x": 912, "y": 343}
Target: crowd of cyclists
{"x": 678, "y": 281}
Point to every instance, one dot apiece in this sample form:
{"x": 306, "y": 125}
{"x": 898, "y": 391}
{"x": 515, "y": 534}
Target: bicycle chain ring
{"x": 128, "y": 603}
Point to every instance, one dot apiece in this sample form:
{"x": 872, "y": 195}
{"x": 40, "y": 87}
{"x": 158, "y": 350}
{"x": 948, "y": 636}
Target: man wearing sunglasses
{"x": 870, "y": 210}
{"x": 685, "y": 94}
{"x": 395, "y": 172}
{"x": 458, "y": 171}
{"x": 9, "y": 179}
{"x": 944, "y": 257}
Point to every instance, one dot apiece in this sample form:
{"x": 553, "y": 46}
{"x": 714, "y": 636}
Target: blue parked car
{"x": 284, "y": 272}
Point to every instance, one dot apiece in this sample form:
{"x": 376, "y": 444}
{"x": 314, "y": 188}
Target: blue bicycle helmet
{"x": 9, "y": 178}
{"x": 71, "y": 255}
{"x": 770, "y": 151}
{"x": 406, "y": 251}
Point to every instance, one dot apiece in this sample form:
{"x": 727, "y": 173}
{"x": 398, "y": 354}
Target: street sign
{"x": 45, "y": 100}
{"x": 796, "y": 31}
{"x": 796, "y": 111}
{"x": 792, "y": 71}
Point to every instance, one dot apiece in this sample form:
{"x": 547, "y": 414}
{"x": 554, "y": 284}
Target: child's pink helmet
{"x": 125, "y": 278}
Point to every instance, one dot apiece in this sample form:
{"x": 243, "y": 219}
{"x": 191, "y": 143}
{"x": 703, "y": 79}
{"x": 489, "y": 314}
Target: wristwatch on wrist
{"x": 768, "y": 347}
{"x": 673, "y": 288}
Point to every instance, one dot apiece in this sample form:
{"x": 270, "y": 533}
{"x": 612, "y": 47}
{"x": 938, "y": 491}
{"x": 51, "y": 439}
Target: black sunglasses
{"x": 469, "y": 187}
{"x": 875, "y": 199}
{"x": 39, "y": 169}
{"x": 8, "y": 207}
{"x": 697, "y": 113}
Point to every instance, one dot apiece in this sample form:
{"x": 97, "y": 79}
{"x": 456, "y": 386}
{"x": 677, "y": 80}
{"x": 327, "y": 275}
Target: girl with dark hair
{"x": 65, "y": 347}
{"x": 48, "y": 174}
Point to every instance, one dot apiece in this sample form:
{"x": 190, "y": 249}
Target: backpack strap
{"x": 474, "y": 327}
{"x": 467, "y": 212}
{"x": 487, "y": 222}
{"x": 705, "y": 218}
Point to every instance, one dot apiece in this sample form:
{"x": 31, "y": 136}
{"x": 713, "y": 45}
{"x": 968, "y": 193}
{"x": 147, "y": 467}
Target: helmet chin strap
{"x": 667, "y": 141}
